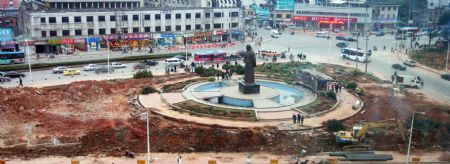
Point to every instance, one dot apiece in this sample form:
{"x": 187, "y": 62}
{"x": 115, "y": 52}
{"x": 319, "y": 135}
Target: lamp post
{"x": 448, "y": 49}
{"x": 148, "y": 137}
{"x": 410, "y": 135}
{"x": 107, "y": 42}
{"x": 367, "y": 38}
{"x": 29, "y": 60}
{"x": 348, "y": 18}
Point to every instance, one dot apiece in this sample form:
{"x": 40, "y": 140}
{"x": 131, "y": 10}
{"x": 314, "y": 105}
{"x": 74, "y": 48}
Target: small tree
{"x": 143, "y": 74}
{"x": 148, "y": 90}
{"x": 331, "y": 95}
{"x": 352, "y": 85}
{"x": 334, "y": 125}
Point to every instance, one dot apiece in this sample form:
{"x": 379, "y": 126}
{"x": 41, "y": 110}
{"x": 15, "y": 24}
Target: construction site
{"x": 105, "y": 118}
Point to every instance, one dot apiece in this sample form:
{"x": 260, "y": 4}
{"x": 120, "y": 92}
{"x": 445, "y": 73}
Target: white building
{"x": 100, "y": 4}
{"x": 433, "y": 4}
{"x": 194, "y": 3}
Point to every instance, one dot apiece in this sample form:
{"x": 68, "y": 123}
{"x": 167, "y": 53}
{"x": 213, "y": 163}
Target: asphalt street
{"x": 318, "y": 50}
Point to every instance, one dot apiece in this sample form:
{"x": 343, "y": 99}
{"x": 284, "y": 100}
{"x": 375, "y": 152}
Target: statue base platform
{"x": 248, "y": 88}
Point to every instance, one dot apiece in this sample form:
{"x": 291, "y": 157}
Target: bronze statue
{"x": 250, "y": 64}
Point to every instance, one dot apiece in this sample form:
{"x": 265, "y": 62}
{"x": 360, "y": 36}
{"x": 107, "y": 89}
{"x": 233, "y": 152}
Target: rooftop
{"x": 129, "y": 9}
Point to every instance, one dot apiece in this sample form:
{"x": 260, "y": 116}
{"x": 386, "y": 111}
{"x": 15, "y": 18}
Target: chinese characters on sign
{"x": 334, "y": 20}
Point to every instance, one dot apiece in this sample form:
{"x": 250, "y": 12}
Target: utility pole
{"x": 367, "y": 38}
{"x": 348, "y": 18}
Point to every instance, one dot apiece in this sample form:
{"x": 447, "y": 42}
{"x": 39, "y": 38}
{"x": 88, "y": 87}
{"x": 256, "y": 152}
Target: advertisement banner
{"x": 6, "y": 34}
{"x": 54, "y": 42}
{"x": 285, "y": 5}
{"x": 128, "y": 36}
{"x": 167, "y": 39}
{"x": 335, "y": 20}
{"x": 93, "y": 43}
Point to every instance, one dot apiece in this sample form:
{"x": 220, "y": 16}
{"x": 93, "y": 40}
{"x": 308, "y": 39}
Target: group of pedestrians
{"x": 298, "y": 118}
{"x": 336, "y": 87}
{"x": 301, "y": 56}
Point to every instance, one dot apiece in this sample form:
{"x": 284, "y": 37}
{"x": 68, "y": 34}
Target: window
{"x": 217, "y": 15}
{"x": 147, "y": 17}
{"x": 52, "y": 20}
{"x": 382, "y": 8}
{"x": 177, "y": 16}
{"x": 65, "y": 19}
{"x": 113, "y": 30}
{"x": 168, "y": 16}
{"x": 89, "y": 19}
{"x": 217, "y": 25}
{"x": 77, "y": 19}
{"x": 135, "y": 17}
{"x": 288, "y": 16}
{"x": 43, "y": 20}
{"x": 207, "y": 15}
{"x": 278, "y": 15}
{"x": 178, "y": 28}
{"x": 188, "y": 15}
{"x": 53, "y": 33}
{"x": 198, "y": 15}
{"x": 234, "y": 25}
{"x": 101, "y": 18}
{"x": 135, "y": 29}
{"x": 146, "y": 29}
{"x": 44, "y": 34}
{"x": 234, "y": 14}
{"x": 125, "y": 30}
{"x": 207, "y": 26}
{"x": 78, "y": 32}
{"x": 389, "y": 8}
{"x": 90, "y": 31}
{"x": 158, "y": 16}
{"x": 124, "y": 17}
{"x": 158, "y": 28}
{"x": 101, "y": 31}
{"x": 168, "y": 28}
{"x": 188, "y": 27}
{"x": 112, "y": 18}
{"x": 65, "y": 32}
{"x": 198, "y": 26}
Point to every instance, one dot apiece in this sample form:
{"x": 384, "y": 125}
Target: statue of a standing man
{"x": 250, "y": 64}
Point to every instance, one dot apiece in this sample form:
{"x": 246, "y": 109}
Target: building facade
{"x": 163, "y": 26}
{"x": 94, "y": 4}
{"x": 384, "y": 14}
{"x": 194, "y": 3}
{"x": 9, "y": 4}
{"x": 318, "y": 16}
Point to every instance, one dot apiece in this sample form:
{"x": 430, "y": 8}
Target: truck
{"x": 274, "y": 33}
{"x": 407, "y": 81}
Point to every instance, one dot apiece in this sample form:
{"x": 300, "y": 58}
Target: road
{"x": 318, "y": 50}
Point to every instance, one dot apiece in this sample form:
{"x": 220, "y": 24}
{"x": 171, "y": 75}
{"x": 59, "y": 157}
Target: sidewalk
{"x": 403, "y": 56}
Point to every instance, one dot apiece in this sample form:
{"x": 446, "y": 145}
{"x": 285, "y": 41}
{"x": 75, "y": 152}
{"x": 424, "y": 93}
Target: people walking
{"x": 20, "y": 82}
{"x": 294, "y": 118}
{"x": 302, "y": 118}
{"x": 299, "y": 117}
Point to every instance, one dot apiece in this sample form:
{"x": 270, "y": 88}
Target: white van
{"x": 274, "y": 33}
{"x": 173, "y": 61}
{"x": 322, "y": 34}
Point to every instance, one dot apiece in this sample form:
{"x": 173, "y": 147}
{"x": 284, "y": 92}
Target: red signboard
{"x": 128, "y": 36}
{"x": 334, "y": 20}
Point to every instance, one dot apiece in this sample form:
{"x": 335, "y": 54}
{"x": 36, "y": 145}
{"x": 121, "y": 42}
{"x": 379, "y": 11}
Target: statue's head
{"x": 248, "y": 47}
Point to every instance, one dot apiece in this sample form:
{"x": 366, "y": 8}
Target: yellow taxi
{"x": 71, "y": 72}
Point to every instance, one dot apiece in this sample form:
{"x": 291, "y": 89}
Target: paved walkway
{"x": 342, "y": 111}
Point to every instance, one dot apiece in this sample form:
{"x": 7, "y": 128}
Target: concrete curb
{"x": 421, "y": 66}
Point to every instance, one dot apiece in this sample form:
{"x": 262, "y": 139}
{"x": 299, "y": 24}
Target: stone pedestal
{"x": 248, "y": 88}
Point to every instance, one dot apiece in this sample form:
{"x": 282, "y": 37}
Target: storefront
{"x": 167, "y": 39}
{"x": 6, "y": 40}
{"x": 126, "y": 41}
{"x": 202, "y": 37}
{"x": 188, "y": 38}
{"x": 220, "y": 36}
{"x": 93, "y": 44}
{"x": 237, "y": 35}
{"x": 61, "y": 46}
{"x": 318, "y": 22}
{"x": 8, "y": 46}
{"x": 179, "y": 39}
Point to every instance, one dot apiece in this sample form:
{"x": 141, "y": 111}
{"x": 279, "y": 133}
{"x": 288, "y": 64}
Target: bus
{"x": 355, "y": 54}
{"x": 216, "y": 56}
{"x": 407, "y": 31}
{"x": 12, "y": 58}
{"x": 322, "y": 34}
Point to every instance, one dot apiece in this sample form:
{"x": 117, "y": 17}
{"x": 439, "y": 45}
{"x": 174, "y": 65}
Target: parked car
{"x": 351, "y": 39}
{"x": 150, "y": 62}
{"x": 71, "y": 72}
{"x": 13, "y": 74}
{"x": 400, "y": 37}
{"x": 59, "y": 69}
{"x": 409, "y": 63}
{"x": 340, "y": 38}
{"x": 233, "y": 57}
{"x": 399, "y": 67}
{"x": 104, "y": 69}
{"x": 182, "y": 57}
{"x": 173, "y": 61}
{"x": 4, "y": 79}
{"x": 446, "y": 76}
{"x": 90, "y": 67}
{"x": 268, "y": 28}
{"x": 140, "y": 66}
{"x": 341, "y": 44}
{"x": 117, "y": 65}
{"x": 380, "y": 33}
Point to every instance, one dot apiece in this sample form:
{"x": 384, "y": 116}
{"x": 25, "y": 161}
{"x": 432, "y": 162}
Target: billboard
{"x": 6, "y": 34}
{"x": 321, "y": 19}
{"x": 285, "y": 5}
{"x": 262, "y": 13}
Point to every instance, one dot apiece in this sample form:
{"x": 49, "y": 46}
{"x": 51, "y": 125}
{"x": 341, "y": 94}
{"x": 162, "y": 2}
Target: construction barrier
{"x": 212, "y": 162}
{"x": 415, "y": 160}
{"x": 332, "y": 161}
{"x": 2, "y": 162}
{"x": 140, "y": 161}
{"x": 274, "y": 161}
{"x": 75, "y": 162}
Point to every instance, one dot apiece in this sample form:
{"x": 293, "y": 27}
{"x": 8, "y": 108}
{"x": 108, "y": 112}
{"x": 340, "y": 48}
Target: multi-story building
{"x": 319, "y": 16}
{"x": 95, "y": 4}
{"x": 384, "y": 14}
{"x": 150, "y": 24}
{"x": 194, "y": 3}
{"x": 9, "y": 4}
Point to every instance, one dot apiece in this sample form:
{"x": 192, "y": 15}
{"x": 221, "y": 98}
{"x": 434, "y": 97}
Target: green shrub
{"x": 356, "y": 73}
{"x": 334, "y": 125}
{"x": 352, "y": 85}
{"x": 143, "y": 74}
{"x": 239, "y": 69}
{"x": 200, "y": 70}
{"x": 227, "y": 66}
{"x": 211, "y": 79}
{"x": 148, "y": 90}
{"x": 331, "y": 95}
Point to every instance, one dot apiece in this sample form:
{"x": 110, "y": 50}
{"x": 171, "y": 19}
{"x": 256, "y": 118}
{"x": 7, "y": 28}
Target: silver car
{"x": 59, "y": 69}
{"x": 4, "y": 79}
{"x": 104, "y": 69}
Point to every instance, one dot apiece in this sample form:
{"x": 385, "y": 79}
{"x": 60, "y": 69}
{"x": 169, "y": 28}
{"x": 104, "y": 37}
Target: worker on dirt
{"x": 294, "y": 118}
{"x": 20, "y": 82}
{"x": 179, "y": 160}
{"x": 299, "y": 117}
{"x": 302, "y": 118}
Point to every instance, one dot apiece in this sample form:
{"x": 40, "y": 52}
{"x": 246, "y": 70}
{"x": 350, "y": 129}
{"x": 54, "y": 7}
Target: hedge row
{"x": 69, "y": 63}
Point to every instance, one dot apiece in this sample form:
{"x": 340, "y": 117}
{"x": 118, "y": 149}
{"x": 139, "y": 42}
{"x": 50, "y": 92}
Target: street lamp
{"x": 410, "y": 135}
{"x": 448, "y": 49}
{"x": 148, "y": 137}
{"x": 29, "y": 60}
{"x": 107, "y": 42}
